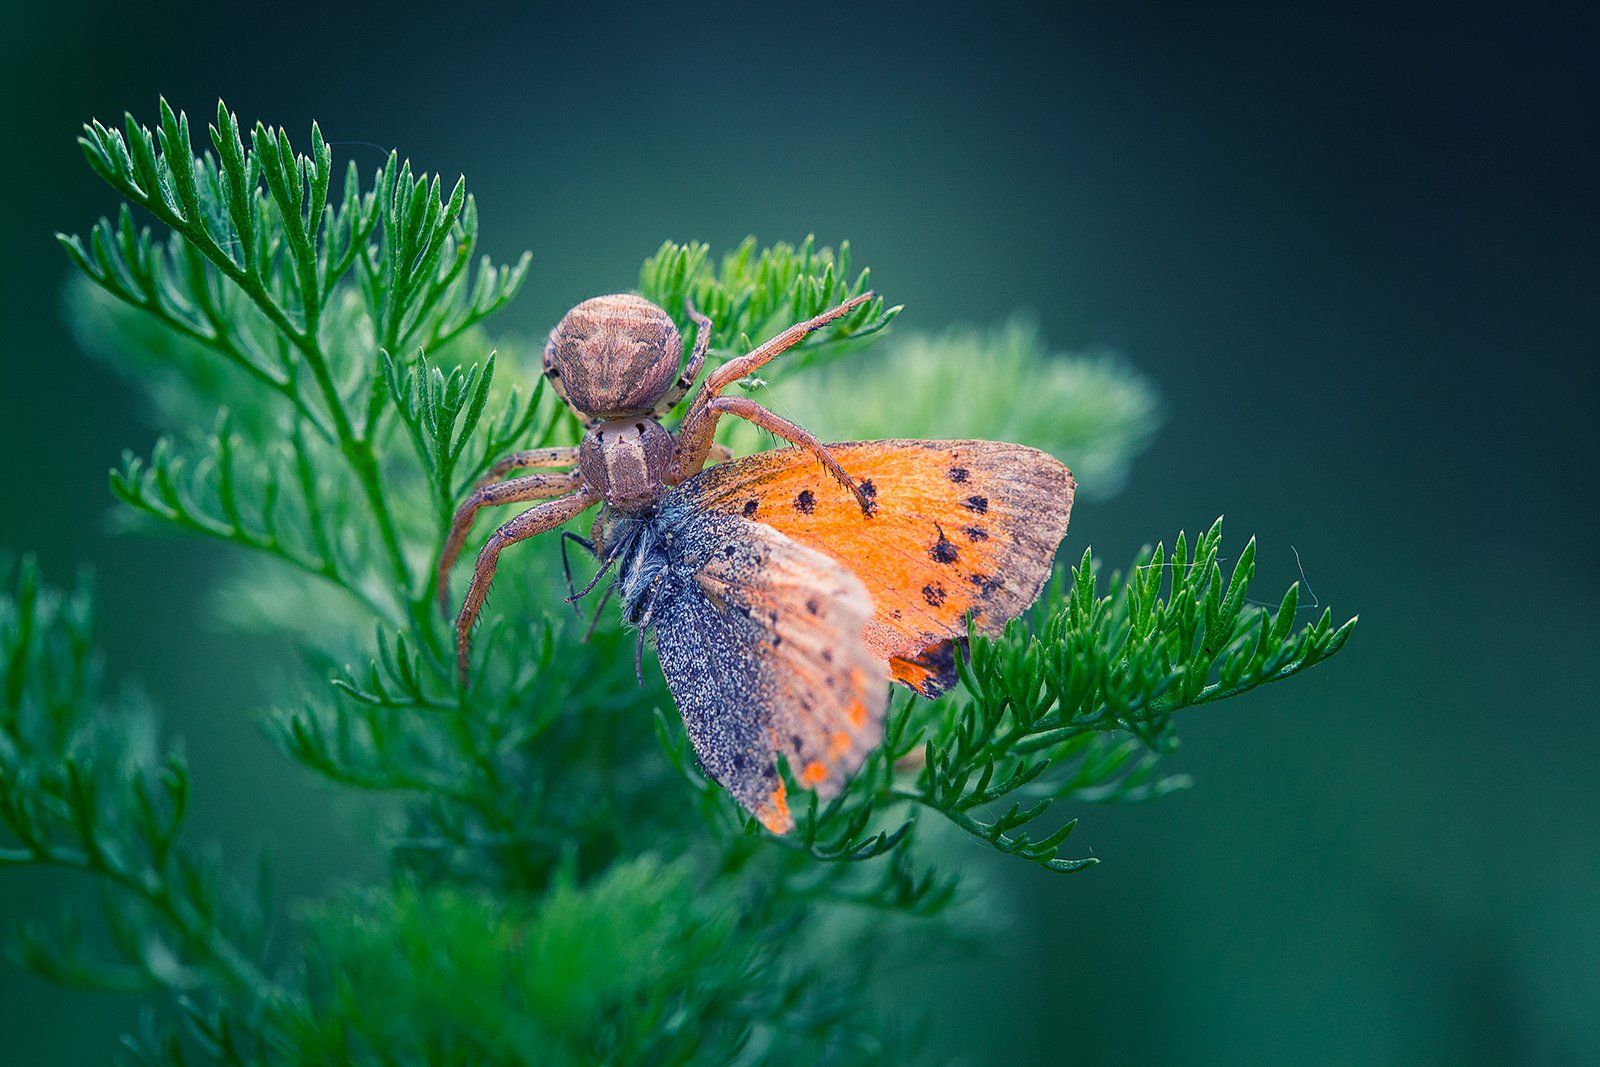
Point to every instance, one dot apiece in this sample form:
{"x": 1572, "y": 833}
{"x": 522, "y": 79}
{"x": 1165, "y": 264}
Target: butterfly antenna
{"x": 599, "y": 574}
{"x": 644, "y": 624}
{"x": 595, "y": 621}
{"x": 566, "y": 565}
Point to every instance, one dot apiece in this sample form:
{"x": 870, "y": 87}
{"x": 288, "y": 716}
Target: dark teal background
{"x": 1356, "y": 247}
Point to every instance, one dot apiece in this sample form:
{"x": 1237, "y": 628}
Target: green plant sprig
{"x": 84, "y": 787}
{"x": 259, "y": 256}
{"x": 755, "y": 292}
{"x": 329, "y": 326}
{"x": 1073, "y": 705}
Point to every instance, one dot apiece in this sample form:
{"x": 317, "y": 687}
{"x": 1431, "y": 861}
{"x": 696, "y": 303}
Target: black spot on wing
{"x": 750, "y": 507}
{"x": 975, "y": 533}
{"x": 987, "y": 584}
{"x": 943, "y": 550}
{"x": 869, "y": 491}
{"x": 806, "y": 502}
{"x": 977, "y": 504}
{"x": 958, "y": 474}
{"x": 934, "y": 594}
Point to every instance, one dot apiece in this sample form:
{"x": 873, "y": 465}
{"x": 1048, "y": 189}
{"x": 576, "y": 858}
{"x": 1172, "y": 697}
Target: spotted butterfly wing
{"x": 761, "y": 642}
{"x": 958, "y": 530}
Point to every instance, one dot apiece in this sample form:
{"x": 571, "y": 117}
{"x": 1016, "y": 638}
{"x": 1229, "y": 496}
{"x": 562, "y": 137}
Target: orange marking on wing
{"x": 908, "y": 673}
{"x": 826, "y": 687}
{"x": 960, "y": 530}
{"x": 775, "y": 817}
{"x": 931, "y": 671}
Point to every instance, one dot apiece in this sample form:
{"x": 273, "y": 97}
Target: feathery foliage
{"x": 1003, "y": 383}
{"x": 86, "y": 786}
{"x": 755, "y": 292}
{"x": 532, "y": 911}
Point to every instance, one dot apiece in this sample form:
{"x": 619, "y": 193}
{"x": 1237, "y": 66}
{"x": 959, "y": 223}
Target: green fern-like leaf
{"x": 314, "y": 345}
{"x": 755, "y": 292}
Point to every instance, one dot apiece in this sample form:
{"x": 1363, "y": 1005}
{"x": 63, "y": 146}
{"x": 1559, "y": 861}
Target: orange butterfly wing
{"x": 959, "y": 530}
{"x": 762, "y": 648}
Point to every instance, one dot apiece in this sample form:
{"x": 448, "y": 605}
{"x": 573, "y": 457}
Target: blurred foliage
{"x": 1093, "y": 412}
{"x": 318, "y": 362}
{"x": 641, "y": 965}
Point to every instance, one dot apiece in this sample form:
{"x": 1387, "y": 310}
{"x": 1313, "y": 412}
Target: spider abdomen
{"x": 614, "y": 356}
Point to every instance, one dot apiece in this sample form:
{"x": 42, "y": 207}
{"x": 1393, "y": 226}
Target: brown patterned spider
{"x": 614, "y": 360}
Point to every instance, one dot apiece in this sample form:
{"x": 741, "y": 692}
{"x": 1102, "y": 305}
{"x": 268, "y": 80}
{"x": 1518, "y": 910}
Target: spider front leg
{"x": 750, "y": 411}
{"x": 765, "y": 353}
{"x": 531, "y": 523}
{"x": 699, "y": 425}
{"x": 691, "y": 370}
{"x": 564, "y": 456}
{"x": 511, "y": 491}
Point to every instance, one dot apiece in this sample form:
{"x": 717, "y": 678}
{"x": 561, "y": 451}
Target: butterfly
{"x": 785, "y": 589}
{"x": 780, "y": 611}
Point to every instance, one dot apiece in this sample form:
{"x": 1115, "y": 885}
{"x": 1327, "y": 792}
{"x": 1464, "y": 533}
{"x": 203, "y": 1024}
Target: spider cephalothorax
{"x": 615, "y": 361}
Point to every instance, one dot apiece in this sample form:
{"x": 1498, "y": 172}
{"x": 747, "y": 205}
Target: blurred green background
{"x": 1356, "y": 248}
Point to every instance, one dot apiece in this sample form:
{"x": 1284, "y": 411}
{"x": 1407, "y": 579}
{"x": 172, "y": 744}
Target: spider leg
{"x": 595, "y": 620}
{"x": 511, "y": 491}
{"x": 536, "y": 520}
{"x": 700, "y": 423}
{"x": 605, "y": 567}
{"x": 765, "y": 353}
{"x": 533, "y": 457}
{"x": 644, "y": 624}
{"x": 691, "y": 370}
{"x": 745, "y": 408}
